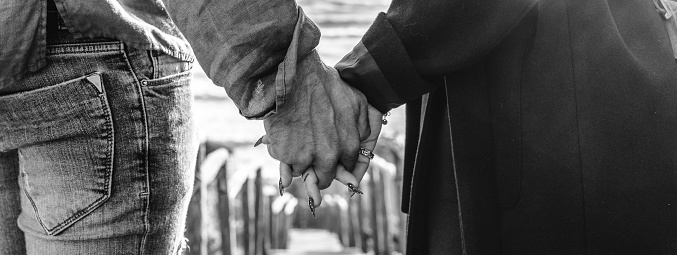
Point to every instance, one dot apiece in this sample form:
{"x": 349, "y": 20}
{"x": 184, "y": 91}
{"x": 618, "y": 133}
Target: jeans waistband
{"x": 86, "y": 46}
{"x": 147, "y": 64}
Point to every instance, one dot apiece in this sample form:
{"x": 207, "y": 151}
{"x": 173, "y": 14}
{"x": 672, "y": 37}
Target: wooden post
{"x": 289, "y": 212}
{"x": 383, "y": 212}
{"x": 224, "y": 211}
{"x": 363, "y": 219}
{"x": 194, "y": 216}
{"x": 375, "y": 233}
{"x": 246, "y": 218}
{"x": 344, "y": 220}
{"x": 259, "y": 216}
{"x": 268, "y": 239}
{"x": 278, "y": 217}
{"x": 194, "y": 222}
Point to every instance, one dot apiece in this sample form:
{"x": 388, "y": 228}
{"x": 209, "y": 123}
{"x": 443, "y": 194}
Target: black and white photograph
{"x": 338, "y": 127}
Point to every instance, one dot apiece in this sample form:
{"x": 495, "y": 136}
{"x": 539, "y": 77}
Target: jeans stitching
{"x": 167, "y": 80}
{"x": 109, "y": 174}
{"x": 145, "y": 152}
{"x": 79, "y": 48}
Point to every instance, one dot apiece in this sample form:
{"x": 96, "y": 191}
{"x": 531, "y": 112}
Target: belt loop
{"x": 153, "y": 56}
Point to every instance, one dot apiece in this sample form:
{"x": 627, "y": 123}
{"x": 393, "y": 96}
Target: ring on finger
{"x": 366, "y": 153}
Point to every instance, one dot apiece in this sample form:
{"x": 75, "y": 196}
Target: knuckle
{"x": 272, "y": 152}
{"x": 366, "y": 132}
{"x": 326, "y": 162}
{"x": 353, "y": 146}
{"x": 296, "y": 172}
{"x": 322, "y": 185}
{"x": 300, "y": 158}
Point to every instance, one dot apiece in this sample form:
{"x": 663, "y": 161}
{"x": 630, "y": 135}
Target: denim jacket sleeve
{"x": 251, "y": 48}
{"x": 22, "y": 41}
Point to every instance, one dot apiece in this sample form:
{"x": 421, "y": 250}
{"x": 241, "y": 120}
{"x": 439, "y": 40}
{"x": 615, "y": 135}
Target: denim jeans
{"x": 97, "y": 152}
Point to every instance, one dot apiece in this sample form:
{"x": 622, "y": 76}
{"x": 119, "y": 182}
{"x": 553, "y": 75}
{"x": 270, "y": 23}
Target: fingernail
{"x": 279, "y": 186}
{"x": 354, "y": 189}
{"x": 258, "y": 142}
{"x": 311, "y": 204}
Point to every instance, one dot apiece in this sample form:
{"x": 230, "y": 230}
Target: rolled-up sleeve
{"x": 251, "y": 48}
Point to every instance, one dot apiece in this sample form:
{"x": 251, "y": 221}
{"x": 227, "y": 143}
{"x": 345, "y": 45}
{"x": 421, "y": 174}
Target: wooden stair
{"x": 314, "y": 242}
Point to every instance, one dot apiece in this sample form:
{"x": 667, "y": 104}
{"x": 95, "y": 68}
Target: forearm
{"x": 244, "y": 45}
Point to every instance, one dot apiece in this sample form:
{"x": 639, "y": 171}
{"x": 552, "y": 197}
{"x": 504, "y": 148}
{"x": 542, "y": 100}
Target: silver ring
{"x": 384, "y": 121}
{"x": 366, "y": 153}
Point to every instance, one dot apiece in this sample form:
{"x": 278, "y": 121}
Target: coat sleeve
{"x": 407, "y": 50}
{"x": 251, "y": 48}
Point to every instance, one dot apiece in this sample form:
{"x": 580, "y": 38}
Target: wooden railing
{"x": 235, "y": 210}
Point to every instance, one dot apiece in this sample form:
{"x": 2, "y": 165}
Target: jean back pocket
{"x": 64, "y": 135}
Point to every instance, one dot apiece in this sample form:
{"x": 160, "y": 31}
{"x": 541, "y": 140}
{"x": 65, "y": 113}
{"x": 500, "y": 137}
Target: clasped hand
{"x": 318, "y": 133}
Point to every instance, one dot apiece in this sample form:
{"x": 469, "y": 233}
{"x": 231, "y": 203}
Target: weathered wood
{"x": 251, "y": 220}
{"x": 391, "y": 152}
{"x": 363, "y": 219}
{"x": 355, "y": 238}
{"x": 210, "y": 168}
{"x": 383, "y": 212}
{"x": 343, "y": 220}
{"x": 278, "y": 216}
{"x": 289, "y": 211}
{"x": 193, "y": 223}
{"x": 375, "y": 206}
{"x": 269, "y": 218}
{"x": 247, "y": 216}
{"x": 194, "y": 216}
{"x": 259, "y": 214}
{"x": 224, "y": 212}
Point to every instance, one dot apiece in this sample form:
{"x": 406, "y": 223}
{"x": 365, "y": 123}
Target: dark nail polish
{"x": 311, "y": 204}
{"x": 354, "y": 189}
{"x": 258, "y": 142}
{"x": 279, "y": 186}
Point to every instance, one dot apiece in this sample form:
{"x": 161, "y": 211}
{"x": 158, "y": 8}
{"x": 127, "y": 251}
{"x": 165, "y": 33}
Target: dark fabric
{"x": 360, "y": 70}
{"x": 388, "y": 87}
{"x": 454, "y": 209}
{"x": 430, "y": 224}
{"x": 412, "y": 128}
{"x": 562, "y": 121}
{"x": 415, "y": 44}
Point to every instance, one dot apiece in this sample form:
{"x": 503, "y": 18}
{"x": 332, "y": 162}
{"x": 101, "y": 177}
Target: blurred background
{"x": 235, "y": 207}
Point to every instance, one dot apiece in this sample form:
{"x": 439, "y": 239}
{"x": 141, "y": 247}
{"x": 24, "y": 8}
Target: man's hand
{"x": 320, "y": 125}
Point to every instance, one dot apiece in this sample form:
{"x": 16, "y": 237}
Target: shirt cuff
{"x": 359, "y": 69}
{"x": 380, "y": 68}
{"x": 305, "y": 38}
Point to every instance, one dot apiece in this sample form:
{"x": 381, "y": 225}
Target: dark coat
{"x": 549, "y": 128}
